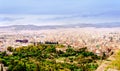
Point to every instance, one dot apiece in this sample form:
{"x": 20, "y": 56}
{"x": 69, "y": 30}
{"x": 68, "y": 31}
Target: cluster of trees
{"x": 43, "y": 58}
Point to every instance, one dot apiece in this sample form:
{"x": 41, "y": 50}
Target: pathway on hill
{"x": 106, "y": 63}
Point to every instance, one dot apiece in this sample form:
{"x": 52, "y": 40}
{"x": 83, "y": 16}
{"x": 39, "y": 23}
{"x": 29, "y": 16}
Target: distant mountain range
{"x": 34, "y": 27}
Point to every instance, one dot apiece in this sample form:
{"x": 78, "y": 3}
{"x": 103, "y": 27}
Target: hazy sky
{"x": 58, "y": 11}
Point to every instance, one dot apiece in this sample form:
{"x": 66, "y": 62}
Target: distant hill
{"x": 79, "y": 25}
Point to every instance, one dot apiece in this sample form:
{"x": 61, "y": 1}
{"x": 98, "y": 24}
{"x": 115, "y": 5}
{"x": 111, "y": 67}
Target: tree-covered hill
{"x": 45, "y": 57}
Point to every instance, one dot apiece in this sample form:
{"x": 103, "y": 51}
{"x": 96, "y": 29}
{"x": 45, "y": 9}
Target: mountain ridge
{"x": 79, "y": 25}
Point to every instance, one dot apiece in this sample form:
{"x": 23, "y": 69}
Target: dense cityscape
{"x": 96, "y": 40}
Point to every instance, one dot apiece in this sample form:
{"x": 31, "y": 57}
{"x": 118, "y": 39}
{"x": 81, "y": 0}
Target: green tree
{"x": 10, "y": 49}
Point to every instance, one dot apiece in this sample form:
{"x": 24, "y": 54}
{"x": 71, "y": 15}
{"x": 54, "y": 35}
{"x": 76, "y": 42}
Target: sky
{"x": 58, "y": 12}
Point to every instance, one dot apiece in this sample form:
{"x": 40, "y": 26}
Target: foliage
{"x": 115, "y": 64}
{"x": 10, "y": 49}
{"x": 43, "y": 57}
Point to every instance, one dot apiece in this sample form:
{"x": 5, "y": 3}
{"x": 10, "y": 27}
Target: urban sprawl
{"x": 97, "y": 40}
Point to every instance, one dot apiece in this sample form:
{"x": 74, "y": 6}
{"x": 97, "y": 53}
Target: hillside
{"x": 48, "y": 58}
